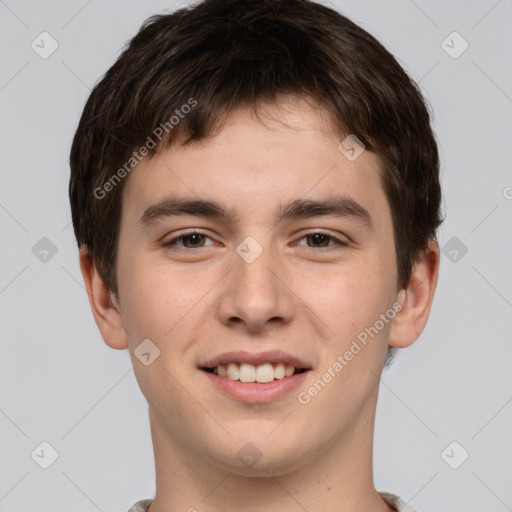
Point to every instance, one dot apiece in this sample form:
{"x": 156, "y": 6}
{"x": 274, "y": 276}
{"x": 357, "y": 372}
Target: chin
{"x": 262, "y": 455}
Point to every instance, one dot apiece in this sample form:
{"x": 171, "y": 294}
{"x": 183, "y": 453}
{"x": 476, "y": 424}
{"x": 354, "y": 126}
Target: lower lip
{"x": 255, "y": 392}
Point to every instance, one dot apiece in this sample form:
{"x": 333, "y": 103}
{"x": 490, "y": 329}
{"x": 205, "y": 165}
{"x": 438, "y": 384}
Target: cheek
{"x": 160, "y": 306}
{"x": 143, "y": 305}
{"x": 353, "y": 299}
{"x": 159, "y": 297}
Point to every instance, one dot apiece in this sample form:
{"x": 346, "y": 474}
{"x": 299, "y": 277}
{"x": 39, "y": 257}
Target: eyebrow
{"x": 339, "y": 206}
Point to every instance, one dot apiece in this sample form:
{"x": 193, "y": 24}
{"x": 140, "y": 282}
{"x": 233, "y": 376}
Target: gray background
{"x": 61, "y": 384}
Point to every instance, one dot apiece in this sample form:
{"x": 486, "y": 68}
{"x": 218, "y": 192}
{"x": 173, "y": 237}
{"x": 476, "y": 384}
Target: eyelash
{"x": 171, "y": 244}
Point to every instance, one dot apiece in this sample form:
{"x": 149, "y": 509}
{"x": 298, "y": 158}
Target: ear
{"x": 103, "y": 303}
{"x": 416, "y": 299}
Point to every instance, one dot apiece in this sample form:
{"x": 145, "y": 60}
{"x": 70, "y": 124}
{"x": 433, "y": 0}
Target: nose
{"x": 256, "y": 295}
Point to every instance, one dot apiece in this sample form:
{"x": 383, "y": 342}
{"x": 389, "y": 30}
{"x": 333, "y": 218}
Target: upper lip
{"x": 256, "y": 358}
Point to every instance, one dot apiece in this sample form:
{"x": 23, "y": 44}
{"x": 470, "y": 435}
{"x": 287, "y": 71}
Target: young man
{"x": 255, "y": 195}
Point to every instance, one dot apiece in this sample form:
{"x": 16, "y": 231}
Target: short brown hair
{"x": 228, "y": 54}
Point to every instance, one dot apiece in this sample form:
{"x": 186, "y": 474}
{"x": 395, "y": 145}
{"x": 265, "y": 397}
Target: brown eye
{"x": 322, "y": 241}
{"x": 319, "y": 239}
{"x": 186, "y": 241}
{"x": 194, "y": 239}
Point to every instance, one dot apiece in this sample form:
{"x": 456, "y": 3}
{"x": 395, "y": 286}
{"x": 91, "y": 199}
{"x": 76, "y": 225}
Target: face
{"x": 273, "y": 283}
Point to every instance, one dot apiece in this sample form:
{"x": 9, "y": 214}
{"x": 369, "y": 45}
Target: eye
{"x": 196, "y": 240}
{"x": 321, "y": 240}
{"x": 192, "y": 240}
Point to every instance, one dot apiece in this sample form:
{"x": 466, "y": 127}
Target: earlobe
{"x": 103, "y": 304}
{"x": 416, "y": 299}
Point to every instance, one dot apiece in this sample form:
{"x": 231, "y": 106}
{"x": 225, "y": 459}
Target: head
{"x": 245, "y": 105}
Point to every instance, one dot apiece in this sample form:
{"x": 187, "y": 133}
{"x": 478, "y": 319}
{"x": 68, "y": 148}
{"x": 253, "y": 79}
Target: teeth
{"x": 233, "y": 371}
{"x": 247, "y": 373}
{"x": 279, "y": 371}
{"x": 263, "y": 373}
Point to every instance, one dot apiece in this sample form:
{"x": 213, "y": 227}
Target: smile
{"x": 262, "y": 373}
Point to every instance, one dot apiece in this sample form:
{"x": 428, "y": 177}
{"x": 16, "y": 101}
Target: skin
{"x": 295, "y": 297}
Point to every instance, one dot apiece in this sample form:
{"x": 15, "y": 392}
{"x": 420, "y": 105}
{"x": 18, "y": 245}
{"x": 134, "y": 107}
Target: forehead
{"x": 286, "y": 150}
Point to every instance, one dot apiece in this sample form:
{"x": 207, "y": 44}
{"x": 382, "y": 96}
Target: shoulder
{"x": 396, "y": 502}
{"x": 141, "y": 506}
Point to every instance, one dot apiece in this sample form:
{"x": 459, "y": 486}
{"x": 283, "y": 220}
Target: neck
{"x": 336, "y": 478}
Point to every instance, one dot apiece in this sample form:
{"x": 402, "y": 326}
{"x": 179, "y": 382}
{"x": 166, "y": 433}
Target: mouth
{"x": 261, "y": 373}
{"x": 256, "y": 378}
{"x": 261, "y": 381}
